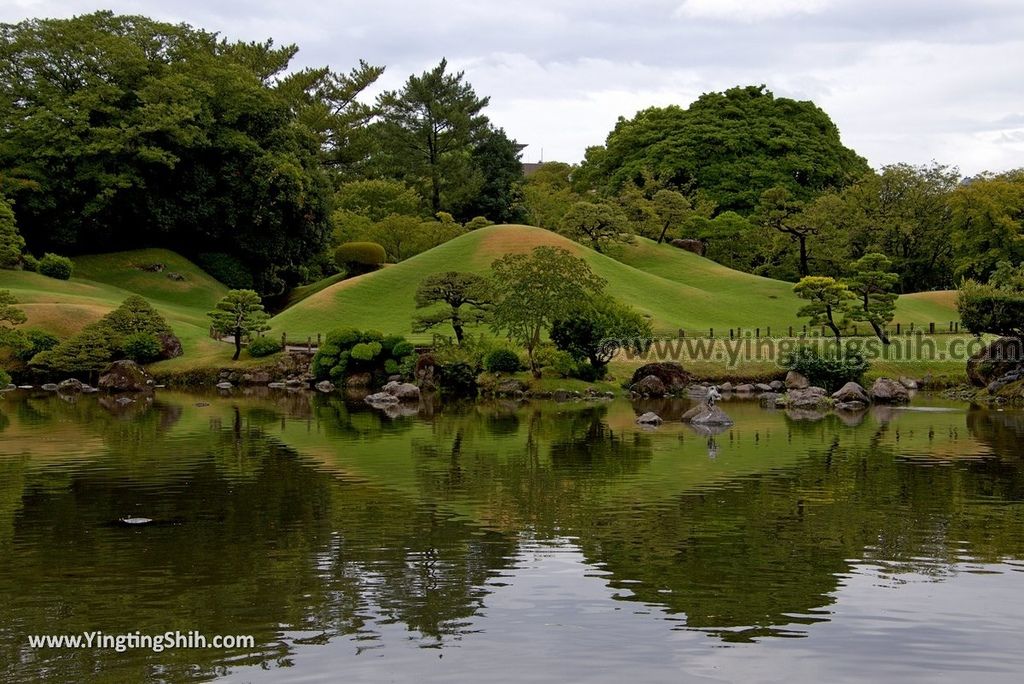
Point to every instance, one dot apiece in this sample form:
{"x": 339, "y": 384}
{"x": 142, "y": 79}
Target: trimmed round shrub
{"x": 391, "y": 367}
{"x": 264, "y": 346}
{"x": 227, "y": 269}
{"x": 478, "y": 222}
{"x": 366, "y": 351}
{"x": 360, "y": 257}
{"x": 458, "y": 379}
{"x": 141, "y": 347}
{"x": 56, "y": 266}
{"x": 36, "y": 341}
{"x": 402, "y": 349}
{"x": 29, "y": 262}
{"x": 502, "y": 361}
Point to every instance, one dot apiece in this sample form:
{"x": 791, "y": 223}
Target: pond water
{"x": 537, "y": 542}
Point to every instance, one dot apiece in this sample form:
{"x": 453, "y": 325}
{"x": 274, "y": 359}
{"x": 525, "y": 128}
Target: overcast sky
{"x": 905, "y": 80}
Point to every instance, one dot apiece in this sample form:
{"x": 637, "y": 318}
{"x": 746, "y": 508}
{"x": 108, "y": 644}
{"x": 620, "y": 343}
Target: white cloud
{"x": 749, "y": 11}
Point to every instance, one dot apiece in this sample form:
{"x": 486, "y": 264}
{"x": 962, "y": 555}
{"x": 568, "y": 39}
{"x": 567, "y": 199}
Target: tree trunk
{"x": 832, "y": 325}
{"x": 534, "y": 341}
{"x": 804, "y": 270}
{"x": 238, "y": 344}
{"x": 664, "y": 229}
{"x": 457, "y": 326}
{"x": 881, "y": 334}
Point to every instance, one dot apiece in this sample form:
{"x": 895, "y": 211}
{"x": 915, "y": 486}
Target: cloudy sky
{"x": 905, "y": 80}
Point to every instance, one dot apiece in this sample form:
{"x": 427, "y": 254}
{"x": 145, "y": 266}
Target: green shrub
{"x": 29, "y": 262}
{"x": 985, "y": 308}
{"x": 88, "y": 351}
{"x": 11, "y": 242}
{"x": 5, "y": 379}
{"x": 502, "y": 361}
{"x": 360, "y": 257}
{"x": 56, "y": 266}
{"x": 264, "y": 346}
{"x": 141, "y": 347}
{"x": 36, "y": 341}
{"x": 478, "y": 222}
{"x": 227, "y": 269}
{"x": 830, "y": 371}
{"x": 561, "y": 363}
{"x": 391, "y": 367}
{"x": 135, "y": 315}
{"x": 402, "y": 349}
{"x": 458, "y": 378}
{"x": 366, "y": 351}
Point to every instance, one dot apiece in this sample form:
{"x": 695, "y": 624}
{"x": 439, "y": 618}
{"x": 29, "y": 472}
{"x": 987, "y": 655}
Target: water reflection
{"x": 308, "y": 520}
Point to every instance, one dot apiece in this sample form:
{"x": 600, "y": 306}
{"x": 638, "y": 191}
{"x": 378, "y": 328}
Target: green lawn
{"x": 674, "y": 288}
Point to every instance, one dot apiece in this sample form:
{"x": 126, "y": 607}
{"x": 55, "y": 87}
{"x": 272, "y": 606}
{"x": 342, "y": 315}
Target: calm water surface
{"x": 540, "y": 542}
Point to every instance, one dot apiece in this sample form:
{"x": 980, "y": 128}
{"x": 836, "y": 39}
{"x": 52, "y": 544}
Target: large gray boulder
{"x": 649, "y": 418}
{"x": 809, "y": 398}
{"x": 851, "y": 391}
{"x": 673, "y": 376}
{"x": 125, "y": 376}
{"x": 650, "y": 386}
{"x": 403, "y": 391}
{"x": 889, "y": 391}
{"x": 796, "y": 380}
{"x": 381, "y": 399}
{"x": 70, "y": 386}
{"x": 325, "y": 386}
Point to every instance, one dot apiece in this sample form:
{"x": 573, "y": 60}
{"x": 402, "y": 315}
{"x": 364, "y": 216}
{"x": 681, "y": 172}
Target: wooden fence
{"x": 801, "y": 331}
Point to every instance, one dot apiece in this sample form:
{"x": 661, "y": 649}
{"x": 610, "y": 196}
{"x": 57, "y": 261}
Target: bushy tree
{"x": 87, "y": 352}
{"x": 733, "y": 145}
{"x": 872, "y": 284}
{"x": 427, "y": 131}
{"x": 458, "y": 299}
{"x": 239, "y": 314}
{"x": 599, "y": 329}
{"x": 534, "y": 290}
{"x": 10, "y": 314}
{"x": 995, "y": 307}
{"x": 596, "y": 224}
{"x": 56, "y": 266}
{"x": 548, "y": 194}
{"x": 988, "y": 223}
{"x": 496, "y": 161}
{"x": 132, "y": 132}
{"x": 11, "y": 242}
{"x": 826, "y": 299}
{"x": 378, "y": 198}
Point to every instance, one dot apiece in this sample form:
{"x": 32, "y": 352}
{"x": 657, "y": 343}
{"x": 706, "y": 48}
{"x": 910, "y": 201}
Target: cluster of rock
{"x": 998, "y": 370}
{"x": 394, "y": 392}
{"x": 512, "y": 388}
{"x": 852, "y": 396}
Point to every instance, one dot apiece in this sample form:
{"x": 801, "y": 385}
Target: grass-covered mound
{"x": 180, "y": 291}
{"x": 673, "y": 287}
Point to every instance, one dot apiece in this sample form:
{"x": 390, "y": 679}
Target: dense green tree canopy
{"x": 11, "y": 242}
{"x": 733, "y": 145}
{"x": 454, "y": 298}
{"x": 121, "y": 131}
{"x": 240, "y": 315}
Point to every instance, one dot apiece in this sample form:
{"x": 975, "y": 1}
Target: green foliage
{"x": 458, "y": 378}
{"x": 826, "y": 298}
{"x": 988, "y": 223}
{"x": 10, "y": 315}
{"x": 227, "y": 269}
{"x": 534, "y": 290}
{"x": 478, "y": 222}
{"x": 5, "y": 378}
{"x": 464, "y": 298}
{"x": 502, "y": 361}
{"x": 36, "y": 341}
{"x": 348, "y": 350}
{"x": 992, "y": 308}
{"x": 548, "y": 194}
{"x": 366, "y": 351}
{"x": 239, "y": 314}
{"x": 596, "y": 224}
{"x": 141, "y": 347}
{"x": 135, "y": 315}
{"x": 407, "y": 236}
{"x": 30, "y": 263}
{"x": 360, "y": 257}
{"x": 263, "y": 346}
{"x": 733, "y": 145}
{"x": 830, "y": 371}
{"x": 495, "y": 160}
{"x": 872, "y": 284}
{"x": 55, "y": 266}
{"x": 132, "y": 132}
{"x": 11, "y": 242}
{"x": 599, "y": 329}
{"x": 87, "y": 352}
{"x": 376, "y": 199}
{"x": 426, "y": 133}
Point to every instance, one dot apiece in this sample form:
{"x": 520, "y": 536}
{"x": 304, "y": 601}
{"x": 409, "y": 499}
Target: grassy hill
{"x": 103, "y": 281}
{"x": 675, "y": 288}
